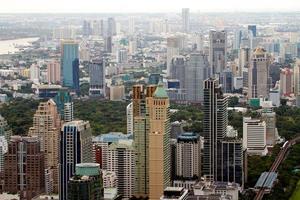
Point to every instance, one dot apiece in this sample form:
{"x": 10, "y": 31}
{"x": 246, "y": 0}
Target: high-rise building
{"x": 97, "y": 78}
{"x": 3, "y": 150}
{"x": 46, "y": 126}
{"x": 111, "y": 27}
{"x": 252, "y": 30}
{"x": 5, "y": 129}
{"x": 64, "y": 105}
{"x": 75, "y": 147}
{"x": 232, "y": 165}
{"x": 226, "y": 79}
{"x": 254, "y": 136}
{"x": 87, "y": 183}
{"x": 141, "y": 137}
{"x": 286, "y": 82}
{"x": 185, "y": 19}
{"x": 129, "y": 114}
{"x": 159, "y": 143}
{"x": 172, "y": 50}
{"x": 24, "y": 167}
{"x": 177, "y": 69}
{"x": 244, "y": 64}
{"x": 131, "y": 26}
{"x": 188, "y": 157}
{"x": 122, "y": 55}
{"x": 271, "y": 131}
{"x": 35, "y": 73}
{"x": 297, "y": 82}
{"x": 53, "y": 72}
{"x": 121, "y": 160}
{"x": 108, "y": 44}
{"x": 70, "y": 65}
{"x": 217, "y": 51}
{"x": 110, "y": 179}
{"x": 258, "y": 76}
{"x": 237, "y": 39}
{"x": 86, "y": 28}
{"x": 196, "y": 71}
{"x": 214, "y": 128}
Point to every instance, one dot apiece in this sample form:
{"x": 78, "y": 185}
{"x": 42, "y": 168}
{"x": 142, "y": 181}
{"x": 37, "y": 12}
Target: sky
{"x": 125, "y": 6}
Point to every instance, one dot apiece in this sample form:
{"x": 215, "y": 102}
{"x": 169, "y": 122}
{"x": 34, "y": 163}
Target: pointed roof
{"x": 160, "y": 92}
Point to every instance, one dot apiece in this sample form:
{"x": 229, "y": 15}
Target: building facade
{"x": 217, "y": 51}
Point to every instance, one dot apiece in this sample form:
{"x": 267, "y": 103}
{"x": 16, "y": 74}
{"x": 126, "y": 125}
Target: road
{"x": 280, "y": 157}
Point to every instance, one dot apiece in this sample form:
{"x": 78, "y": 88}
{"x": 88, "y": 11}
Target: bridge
{"x": 266, "y": 180}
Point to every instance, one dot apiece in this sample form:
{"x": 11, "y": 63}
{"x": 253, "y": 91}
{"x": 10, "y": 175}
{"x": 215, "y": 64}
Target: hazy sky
{"x": 146, "y": 5}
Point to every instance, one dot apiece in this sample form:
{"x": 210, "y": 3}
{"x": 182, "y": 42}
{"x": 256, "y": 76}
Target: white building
{"x": 3, "y": 150}
{"x": 110, "y": 179}
{"x": 129, "y": 113}
{"x": 254, "y": 136}
{"x": 35, "y": 73}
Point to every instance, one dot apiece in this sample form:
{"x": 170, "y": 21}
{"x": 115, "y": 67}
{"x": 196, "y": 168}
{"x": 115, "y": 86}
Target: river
{"x": 11, "y": 46}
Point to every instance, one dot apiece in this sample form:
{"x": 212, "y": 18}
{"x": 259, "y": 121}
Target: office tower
{"x": 64, "y": 105}
{"x": 35, "y": 73}
{"x": 87, "y": 183}
{"x": 53, "y": 72}
{"x": 188, "y": 157}
{"x": 131, "y": 26}
{"x": 214, "y": 128}
{"x": 108, "y": 44}
{"x": 244, "y": 64}
{"x": 75, "y": 147}
{"x": 196, "y": 71}
{"x": 117, "y": 92}
{"x": 198, "y": 42}
{"x": 217, "y": 51}
{"x": 172, "y": 50}
{"x": 3, "y": 150}
{"x": 122, "y": 56}
{"x": 97, "y": 28}
{"x": 258, "y": 75}
{"x": 97, "y": 78}
{"x": 232, "y": 164}
{"x": 226, "y": 79}
{"x": 111, "y": 27}
{"x": 141, "y": 137}
{"x": 159, "y": 143}
{"x": 5, "y": 129}
{"x": 46, "y": 126}
{"x": 252, "y": 30}
{"x": 129, "y": 114}
{"x": 24, "y": 167}
{"x": 271, "y": 131}
{"x": 70, "y": 65}
{"x": 237, "y": 39}
{"x": 286, "y": 82}
{"x": 121, "y": 160}
{"x": 86, "y": 28}
{"x": 297, "y": 82}
{"x": 177, "y": 69}
{"x": 254, "y": 136}
{"x": 185, "y": 20}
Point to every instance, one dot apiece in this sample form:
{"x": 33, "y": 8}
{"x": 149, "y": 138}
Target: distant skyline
{"x": 152, "y": 6}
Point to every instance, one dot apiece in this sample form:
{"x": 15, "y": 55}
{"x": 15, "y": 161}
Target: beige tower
{"x": 46, "y": 126}
{"x": 159, "y": 143}
{"x": 258, "y": 76}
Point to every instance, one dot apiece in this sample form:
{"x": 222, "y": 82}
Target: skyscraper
{"x": 214, "y": 128}
{"x": 141, "y": 137}
{"x": 121, "y": 160}
{"x": 53, "y": 72}
{"x": 5, "y": 129}
{"x": 252, "y": 30}
{"x": 159, "y": 143}
{"x": 24, "y": 167}
{"x": 297, "y": 82}
{"x": 3, "y": 150}
{"x": 46, "y": 126}
{"x": 196, "y": 71}
{"x": 111, "y": 27}
{"x": 185, "y": 20}
{"x": 188, "y": 157}
{"x": 87, "y": 183}
{"x": 75, "y": 147}
{"x": 97, "y": 78}
{"x": 286, "y": 82}
{"x": 70, "y": 65}
{"x": 64, "y": 105}
{"x": 217, "y": 51}
{"x": 177, "y": 69}
{"x": 258, "y": 77}
{"x": 172, "y": 50}
{"x": 244, "y": 64}
{"x": 129, "y": 114}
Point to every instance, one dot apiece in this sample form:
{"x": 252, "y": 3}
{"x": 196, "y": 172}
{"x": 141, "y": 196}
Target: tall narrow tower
{"x": 217, "y": 51}
{"x": 185, "y": 20}
{"x": 214, "y": 127}
{"x": 46, "y": 126}
{"x": 159, "y": 143}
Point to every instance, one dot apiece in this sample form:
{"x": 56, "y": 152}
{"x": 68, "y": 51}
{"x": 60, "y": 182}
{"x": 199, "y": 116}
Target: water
{"x": 12, "y": 46}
